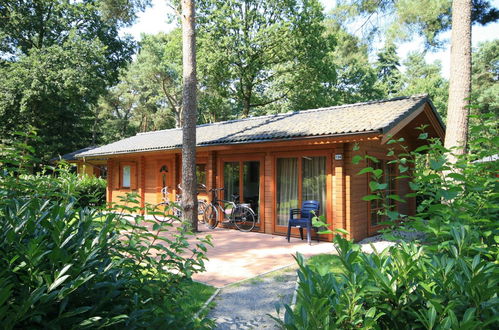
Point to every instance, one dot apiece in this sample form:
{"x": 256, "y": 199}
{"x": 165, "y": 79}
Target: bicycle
{"x": 201, "y": 202}
{"x": 166, "y": 211}
{"x": 241, "y": 215}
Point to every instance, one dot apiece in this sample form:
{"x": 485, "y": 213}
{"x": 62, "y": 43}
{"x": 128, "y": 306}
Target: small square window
{"x": 126, "y": 176}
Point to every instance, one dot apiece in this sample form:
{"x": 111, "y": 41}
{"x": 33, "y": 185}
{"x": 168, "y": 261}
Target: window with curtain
{"x": 312, "y": 181}
{"x": 287, "y": 188}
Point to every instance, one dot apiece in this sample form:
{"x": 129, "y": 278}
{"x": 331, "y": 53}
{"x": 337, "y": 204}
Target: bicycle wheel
{"x": 202, "y": 205}
{"x": 244, "y": 218}
{"x": 211, "y": 216}
{"x": 162, "y": 212}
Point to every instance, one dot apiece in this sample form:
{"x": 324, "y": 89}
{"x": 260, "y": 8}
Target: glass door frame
{"x": 278, "y": 229}
{"x": 241, "y": 159}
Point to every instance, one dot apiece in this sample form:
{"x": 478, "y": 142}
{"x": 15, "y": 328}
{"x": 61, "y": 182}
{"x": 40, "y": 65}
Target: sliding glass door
{"x": 242, "y": 178}
{"x": 299, "y": 179}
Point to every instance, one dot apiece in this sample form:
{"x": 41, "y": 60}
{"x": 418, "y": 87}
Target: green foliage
{"x": 90, "y": 191}
{"x": 425, "y": 78}
{"x": 449, "y": 280}
{"x": 355, "y": 76}
{"x": 401, "y": 20}
{"x": 388, "y": 68}
{"x": 485, "y": 77}
{"x": 67, "y": 266}
{"x": 258, "y": 54}
{"x": 56, "y": 59}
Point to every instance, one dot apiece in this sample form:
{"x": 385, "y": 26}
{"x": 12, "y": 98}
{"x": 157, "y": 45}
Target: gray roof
{"x": 367, "y": 117}
{"x": 71, "y": 155}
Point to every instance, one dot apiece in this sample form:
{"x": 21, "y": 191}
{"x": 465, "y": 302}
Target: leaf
{"x": 413, "y": 186}
{"x": 421, "y": 148}
{"x": 341, "y": 231}
{"x": 356, "y": 159}
{"x": 436, "y": 164}
{"x": 403, "y": 168}
{"x": 57, "y": 282}
{"x": 396, "y": 198}
{"x": 370, "y": 198}
{"x": 423, "y": 136}
{"x": 365, "y": 170}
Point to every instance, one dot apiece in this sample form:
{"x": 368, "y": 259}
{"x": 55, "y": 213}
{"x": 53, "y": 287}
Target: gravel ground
{"x": 379, "y": 243}
{"x": 245, "y": 305}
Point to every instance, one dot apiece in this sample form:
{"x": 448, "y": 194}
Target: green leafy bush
{"x": 449, "y": 280}
{"x": 91, "y": 191}
{"x": 65, "y": 266}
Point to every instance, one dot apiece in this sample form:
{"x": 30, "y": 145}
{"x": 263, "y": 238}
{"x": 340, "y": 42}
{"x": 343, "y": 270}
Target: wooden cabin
{"x": 276, "y": 161}
{"x": 97, "y": 166}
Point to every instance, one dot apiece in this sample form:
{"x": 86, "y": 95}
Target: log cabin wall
{"x": 344, "y": 188}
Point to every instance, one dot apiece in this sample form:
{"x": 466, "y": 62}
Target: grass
{"x": 197, "y": 295}
{"x": 326, "y": 263}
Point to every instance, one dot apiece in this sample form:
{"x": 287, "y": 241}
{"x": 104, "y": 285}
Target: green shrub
{"x": 63, "y": 266}
{"x": 449, "y": 280}
{"x": 91, "y": 191}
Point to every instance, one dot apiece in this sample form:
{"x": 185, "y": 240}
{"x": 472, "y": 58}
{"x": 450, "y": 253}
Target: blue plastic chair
{"x": 302, "y": 218}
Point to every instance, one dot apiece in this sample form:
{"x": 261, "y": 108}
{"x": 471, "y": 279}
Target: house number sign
{"x": 338, "y": 157}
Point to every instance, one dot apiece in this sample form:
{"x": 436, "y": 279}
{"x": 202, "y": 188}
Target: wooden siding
{"x": 344, "y": 188}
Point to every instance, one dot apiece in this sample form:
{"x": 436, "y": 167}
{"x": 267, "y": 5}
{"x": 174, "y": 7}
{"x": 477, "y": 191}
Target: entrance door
{"x": 242, "y": 178}
{"x": 164, "y": 175}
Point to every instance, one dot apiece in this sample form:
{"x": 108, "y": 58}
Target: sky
{"x": 154, "y": 20}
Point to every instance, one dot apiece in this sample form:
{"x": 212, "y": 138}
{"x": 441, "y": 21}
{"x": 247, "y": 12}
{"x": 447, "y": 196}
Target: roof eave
{"x": 124, "y": 152}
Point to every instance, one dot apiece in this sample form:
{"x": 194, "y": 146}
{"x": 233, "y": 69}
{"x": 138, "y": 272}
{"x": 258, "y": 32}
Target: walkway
{"x": 236, "y": 256}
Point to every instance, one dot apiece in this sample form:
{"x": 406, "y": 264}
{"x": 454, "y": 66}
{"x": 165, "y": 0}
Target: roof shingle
{"x": 376, "y": 116}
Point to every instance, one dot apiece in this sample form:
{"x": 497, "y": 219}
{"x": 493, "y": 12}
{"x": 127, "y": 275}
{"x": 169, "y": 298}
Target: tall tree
{"x": 160, "y": 62}
{"x": 189, "y": 97}
{"x": 387, "y": 65}
{"x": 56, "y": 59}
{"x": 401, "y": 20}
{"x": 356, "y": 77}
{"x": 264, "y": 52}
{"x": 485, "y": 77}
{"x": 421, "y": 77}
{"x": 460, "y": 76}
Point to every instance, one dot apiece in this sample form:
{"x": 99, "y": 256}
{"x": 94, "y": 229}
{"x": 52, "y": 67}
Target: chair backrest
{"x": 309, "y": 206}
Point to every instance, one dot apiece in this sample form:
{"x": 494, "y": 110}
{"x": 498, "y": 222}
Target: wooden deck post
{"x": 142, "y": 183}
{"x": 269, "y": 195}
{"x": 211, "y": 170}
{"x": 339, "y": 189}
{"x": 110, "y": 183}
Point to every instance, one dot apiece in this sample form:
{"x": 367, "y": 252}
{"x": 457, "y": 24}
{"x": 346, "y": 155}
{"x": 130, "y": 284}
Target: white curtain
{"x": 314, "y": 180}
{"x": 287, "y": 188}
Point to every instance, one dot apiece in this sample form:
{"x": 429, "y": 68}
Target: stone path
{"x": 245, "y": 305}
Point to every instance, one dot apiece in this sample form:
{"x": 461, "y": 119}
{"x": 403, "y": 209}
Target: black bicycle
{"x": 241, "y": 215}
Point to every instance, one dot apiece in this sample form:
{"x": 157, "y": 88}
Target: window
{"x": 294, "y": 175}
{"x": 376, "y": 206}
{"x": 127, "y": 171}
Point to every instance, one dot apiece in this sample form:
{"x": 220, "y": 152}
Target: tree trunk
{"x": 189, "y": 118}
{"x": 460, "y": 77}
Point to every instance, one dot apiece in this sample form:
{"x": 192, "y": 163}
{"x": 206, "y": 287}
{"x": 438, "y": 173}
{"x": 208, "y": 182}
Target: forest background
{"x": 69, "y": 70}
